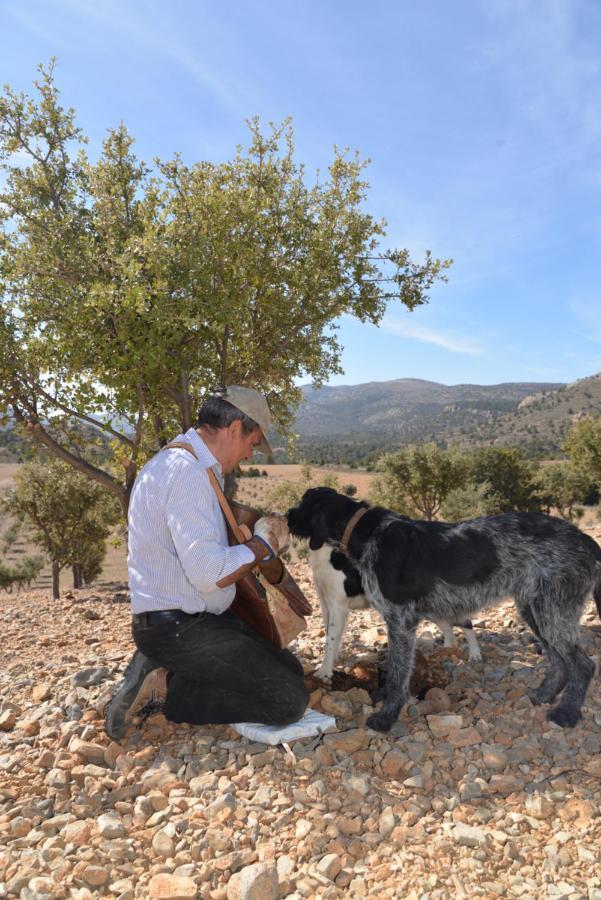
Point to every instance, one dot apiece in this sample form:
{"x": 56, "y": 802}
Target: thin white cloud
{"x": 448, "y": 341}
{"x": 588, "y": 314}
{"x": 158, "y": 37}
{"x": 41, "y": 29}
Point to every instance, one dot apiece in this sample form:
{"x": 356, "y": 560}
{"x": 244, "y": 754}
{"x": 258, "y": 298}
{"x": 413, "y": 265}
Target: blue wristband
{"x": 272, "y": 553}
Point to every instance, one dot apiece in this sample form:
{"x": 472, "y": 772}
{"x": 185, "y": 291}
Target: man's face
{"x": 240, "y": 446}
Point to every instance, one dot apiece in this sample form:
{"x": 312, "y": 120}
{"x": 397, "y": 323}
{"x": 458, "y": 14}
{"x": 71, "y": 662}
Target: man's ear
{"x": 235, "y": 428}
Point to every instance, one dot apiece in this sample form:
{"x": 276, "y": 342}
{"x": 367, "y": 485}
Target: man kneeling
{"x": 196, "y": 656}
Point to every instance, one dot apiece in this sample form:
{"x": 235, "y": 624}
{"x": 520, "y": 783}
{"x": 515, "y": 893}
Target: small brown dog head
{"x": 274, "y": 530}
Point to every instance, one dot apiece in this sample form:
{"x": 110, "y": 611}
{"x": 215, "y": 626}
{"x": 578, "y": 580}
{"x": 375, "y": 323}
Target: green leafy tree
{"x": 128, "y": 293}
{"x": 470, "y": 501}
{"x": 583, "y": 447}
{"x": 416, "y": 480}
{"x": 510, "y": 477}
{"x": 70, "y": 515}
{"x": 562, "y": 487}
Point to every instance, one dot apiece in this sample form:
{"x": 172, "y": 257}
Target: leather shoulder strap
{"x": 226, "y": 508}
{"x": 181, "y": 445}
{"x": 237, "y": 531}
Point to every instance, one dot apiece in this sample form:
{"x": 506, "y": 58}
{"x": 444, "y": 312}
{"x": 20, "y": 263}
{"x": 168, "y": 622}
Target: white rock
{"x": 285, "y": 866}
{"x": 163, "y": 843}
{"x": 539, "y": 806}
{"x": 386, "y": 822}
{"x": 359, "y": 783}
{"x": 110, "y": 826}
{"x": 468, "y": 836}
{"x": 329, "y": 865}
{"x": 303, "y": 828}
{"x": 441, "y": 726}
{"x": 256, "y": 882}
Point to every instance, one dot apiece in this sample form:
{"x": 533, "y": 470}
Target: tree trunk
{"x": 77, "y": 579}
{"x": 55, "y": 581}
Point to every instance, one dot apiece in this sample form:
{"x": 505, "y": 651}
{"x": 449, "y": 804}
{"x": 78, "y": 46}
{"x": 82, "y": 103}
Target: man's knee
{"x": 292, "y": 705}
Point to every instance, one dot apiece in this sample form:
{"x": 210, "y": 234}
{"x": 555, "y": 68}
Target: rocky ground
{"x": 472, "y": 794}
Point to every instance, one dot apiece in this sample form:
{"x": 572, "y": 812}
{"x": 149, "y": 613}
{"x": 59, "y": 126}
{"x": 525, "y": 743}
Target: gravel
{"x": 472, "y": 794}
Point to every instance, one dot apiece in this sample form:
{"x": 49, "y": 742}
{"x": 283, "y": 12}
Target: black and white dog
{"x": 413, "y": 570}
{"x": 339, "y": 588}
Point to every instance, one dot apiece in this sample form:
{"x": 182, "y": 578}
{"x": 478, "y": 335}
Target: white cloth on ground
{"x": 312, "y": 723}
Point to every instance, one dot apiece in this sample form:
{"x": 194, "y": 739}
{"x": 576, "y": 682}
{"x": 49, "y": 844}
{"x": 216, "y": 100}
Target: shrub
{"x": 416, "y": 481}
{"x": 288, "y": 493}
{"x": 470, "y": 501}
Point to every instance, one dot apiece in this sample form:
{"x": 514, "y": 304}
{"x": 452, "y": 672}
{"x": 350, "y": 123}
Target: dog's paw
{"x": 566, "y": 718}
{"x": 538, "y": 697}
{"x": 323, "y": 674}
{"x": 380, "y": 721}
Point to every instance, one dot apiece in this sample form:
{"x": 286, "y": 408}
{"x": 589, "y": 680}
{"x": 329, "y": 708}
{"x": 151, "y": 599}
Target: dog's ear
{"x": 318, "y": 532}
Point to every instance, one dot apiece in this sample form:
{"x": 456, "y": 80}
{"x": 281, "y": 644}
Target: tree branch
{"x": 39, "y": 433}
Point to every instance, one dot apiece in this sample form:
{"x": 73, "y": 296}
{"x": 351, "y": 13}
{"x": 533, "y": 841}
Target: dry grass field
{"x": 257, "y": 490}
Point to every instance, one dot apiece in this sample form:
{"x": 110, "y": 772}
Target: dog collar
{"x": 351, "y": 524}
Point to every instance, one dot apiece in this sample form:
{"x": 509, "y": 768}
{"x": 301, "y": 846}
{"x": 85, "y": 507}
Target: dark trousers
{"x": 222, "y": 671}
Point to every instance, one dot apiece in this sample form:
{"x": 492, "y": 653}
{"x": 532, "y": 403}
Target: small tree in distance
{"x": 70, "y": 516}
{"x": 583, "y": 447}
{"x": 471, "y": 501}
{"x": 562, "y": 487}
{"x": 510, "y": 477}
{"x": 415, "y": 481}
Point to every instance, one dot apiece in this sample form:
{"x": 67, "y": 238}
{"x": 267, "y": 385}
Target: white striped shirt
{"x": 177, "y": 541}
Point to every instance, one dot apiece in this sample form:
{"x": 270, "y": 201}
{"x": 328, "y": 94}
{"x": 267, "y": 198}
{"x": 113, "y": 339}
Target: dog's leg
{"x": 401, "y": 625}
{"x": 556, "y": 675}
{"x": 581, "y": 669}
{"x": 335, "y": 614}
{"x": 559, "y": 636}
{"x": 474, "y": 652}
{"x": 448, "y": 635}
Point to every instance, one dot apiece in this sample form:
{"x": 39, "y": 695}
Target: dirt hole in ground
{"x": 429, "y": 672}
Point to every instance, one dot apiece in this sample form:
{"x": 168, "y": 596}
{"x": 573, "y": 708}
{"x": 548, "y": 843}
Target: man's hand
{"x": 274, "y": 531}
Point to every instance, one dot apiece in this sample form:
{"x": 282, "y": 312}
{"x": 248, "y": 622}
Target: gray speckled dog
{"x": 413, "y": 570}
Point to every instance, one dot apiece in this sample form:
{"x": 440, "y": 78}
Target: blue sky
{"x": 482, "y": 119}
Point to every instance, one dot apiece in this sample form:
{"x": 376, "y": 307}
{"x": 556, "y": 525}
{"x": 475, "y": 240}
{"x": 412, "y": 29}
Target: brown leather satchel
{"x": 267, "y": 598}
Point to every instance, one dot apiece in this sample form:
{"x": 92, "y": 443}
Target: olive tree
{"x": 563, "y": 488}
{"x": 509, "y": 478}
{"x": 129, "y": 291}
{"x": 583, "y": 447}
{"x": 417, "y": 480}
{"x": 69, "y": 515}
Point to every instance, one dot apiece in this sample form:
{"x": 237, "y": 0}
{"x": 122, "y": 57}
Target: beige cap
{"x": 254, "y": 405}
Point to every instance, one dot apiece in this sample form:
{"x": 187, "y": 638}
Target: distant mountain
{"x": 354, "y": 422}
{"x": 546, "y": 416}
